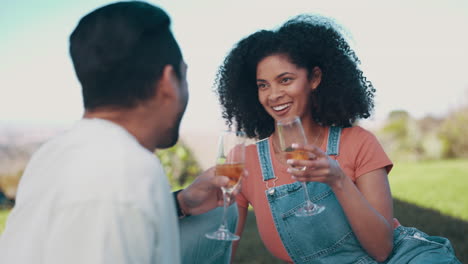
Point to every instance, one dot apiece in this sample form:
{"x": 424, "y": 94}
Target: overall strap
{"x": 263, "y": 151}
{"x": 333, "y": 146}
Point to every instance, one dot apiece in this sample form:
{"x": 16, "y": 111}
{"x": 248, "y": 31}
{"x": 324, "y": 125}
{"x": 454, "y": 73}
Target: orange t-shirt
{"x": 359, "y": 153}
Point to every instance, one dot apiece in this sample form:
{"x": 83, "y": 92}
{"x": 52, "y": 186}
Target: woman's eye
{"x": 261, "y": 85}
{"x": 286, "y": 80}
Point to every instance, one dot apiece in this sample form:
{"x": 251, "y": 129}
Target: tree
{"x": 454, "y": 134}
{"x": 431, "y": 142}
{"x": 400, "y": 136}
{"x": 179, "y": 164}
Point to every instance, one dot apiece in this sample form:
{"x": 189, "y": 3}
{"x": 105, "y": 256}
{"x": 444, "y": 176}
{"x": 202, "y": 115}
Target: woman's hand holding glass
{"x": 318, "y": 167}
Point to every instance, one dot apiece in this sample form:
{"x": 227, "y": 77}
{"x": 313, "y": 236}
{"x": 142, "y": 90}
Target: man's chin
{"x": 172, "y": 135}
{"x": 169, "y": 143}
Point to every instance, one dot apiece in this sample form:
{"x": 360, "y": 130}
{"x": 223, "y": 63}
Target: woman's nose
{"x": 276, "y": 93}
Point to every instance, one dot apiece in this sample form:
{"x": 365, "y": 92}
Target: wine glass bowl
{"x": 297, "y": 154}
{"x": 233, "y": 171}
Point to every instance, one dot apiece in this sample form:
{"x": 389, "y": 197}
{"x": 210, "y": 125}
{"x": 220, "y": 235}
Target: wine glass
{"x": 291, "y": 131}
{"x": 229, "y": 163}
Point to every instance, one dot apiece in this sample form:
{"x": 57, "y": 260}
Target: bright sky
{"x": 414, "y": 52}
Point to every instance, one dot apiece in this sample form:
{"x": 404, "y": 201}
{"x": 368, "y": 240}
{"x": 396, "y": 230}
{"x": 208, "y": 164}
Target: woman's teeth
{"x": 281, "y": 107}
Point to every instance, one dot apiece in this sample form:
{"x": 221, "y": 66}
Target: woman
{"x": 307, "y": 69}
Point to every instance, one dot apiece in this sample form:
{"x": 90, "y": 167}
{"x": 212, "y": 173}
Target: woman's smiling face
{"x": 284, "y": 88}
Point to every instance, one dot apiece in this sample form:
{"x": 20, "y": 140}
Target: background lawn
{"x": 439, "y": 185}
{"x": 428, "y": 195}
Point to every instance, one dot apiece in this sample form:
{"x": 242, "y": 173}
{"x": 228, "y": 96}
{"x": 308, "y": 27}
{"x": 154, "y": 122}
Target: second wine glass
{"x": 290, "y": 131}
{"x": 230, "y": 163}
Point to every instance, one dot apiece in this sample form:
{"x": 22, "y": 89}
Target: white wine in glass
{"x": 230, "y": 163}
{"x": 290, "y": 131}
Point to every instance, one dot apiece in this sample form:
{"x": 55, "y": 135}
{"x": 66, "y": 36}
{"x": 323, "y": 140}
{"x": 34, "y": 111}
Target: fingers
{"x": 220, "y": 198}
{"x": 237, "y": 189}
{"x": 314, "y": 151}
{"x": 231, "y": 196}
{"x": 305, "y": 170}
{"x": 207, "y": 175}
{"x": 320, "y": 170}
{"x": 223, "y": 181}
{"x": 309, "y": 174}
{"x": 311, "y": 164}
{"x": 220, "y": 181}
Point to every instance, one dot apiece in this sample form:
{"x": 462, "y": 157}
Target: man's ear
{"x": 315, "y": 77}
{"x": 167, "y": 86}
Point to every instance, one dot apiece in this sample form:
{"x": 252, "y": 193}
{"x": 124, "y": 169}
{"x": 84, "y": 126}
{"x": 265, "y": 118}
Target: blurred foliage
{"x": 179, "y": 164}
{"x": 429, "y": 138}
{"x": 400, "y": 136}
{"x": 454, "y": 132}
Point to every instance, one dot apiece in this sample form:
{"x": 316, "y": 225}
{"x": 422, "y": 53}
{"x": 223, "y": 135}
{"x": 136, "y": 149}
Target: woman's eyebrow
{"x": 277, "y": 77}
{"x": 283, "y": 74}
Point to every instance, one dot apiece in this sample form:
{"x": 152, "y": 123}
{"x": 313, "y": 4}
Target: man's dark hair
{"x": 119, "y": 52}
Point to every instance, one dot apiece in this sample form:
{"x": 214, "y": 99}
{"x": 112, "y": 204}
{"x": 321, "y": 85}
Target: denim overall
{"x": 328, "y": 237}
{"x": 195, "y": 247}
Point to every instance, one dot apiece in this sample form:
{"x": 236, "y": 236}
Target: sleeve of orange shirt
{"x": 370, "y": 154}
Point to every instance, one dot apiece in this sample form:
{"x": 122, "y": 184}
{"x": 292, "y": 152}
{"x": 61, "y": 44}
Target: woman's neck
{"x": 313, "y": 131}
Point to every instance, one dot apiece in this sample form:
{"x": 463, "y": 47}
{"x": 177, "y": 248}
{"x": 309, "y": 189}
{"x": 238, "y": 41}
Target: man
{"x": 97, "y": 193}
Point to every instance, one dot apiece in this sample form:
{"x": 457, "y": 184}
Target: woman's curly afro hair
{"x": 343, "y": 95}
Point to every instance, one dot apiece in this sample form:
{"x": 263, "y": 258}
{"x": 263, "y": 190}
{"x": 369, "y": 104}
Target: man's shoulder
{"x": 93, "y": 154}
{"x": 108, "y": 143}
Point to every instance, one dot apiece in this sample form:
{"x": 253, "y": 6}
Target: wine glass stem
{"x": 306, "y": 193}
{"x": 226, "y": 200}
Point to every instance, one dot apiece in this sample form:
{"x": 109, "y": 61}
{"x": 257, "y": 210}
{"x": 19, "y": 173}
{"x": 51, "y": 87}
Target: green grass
{"x": 428, "y": 195}
{"x": 432, "y": 196}
{"x": 438, "y": 185}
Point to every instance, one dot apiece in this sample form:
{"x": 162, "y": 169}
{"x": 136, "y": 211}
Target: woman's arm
{"x": 367, "y": 204}
{"x": 240, "y": 228}
{"x": 368, "y": 207}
